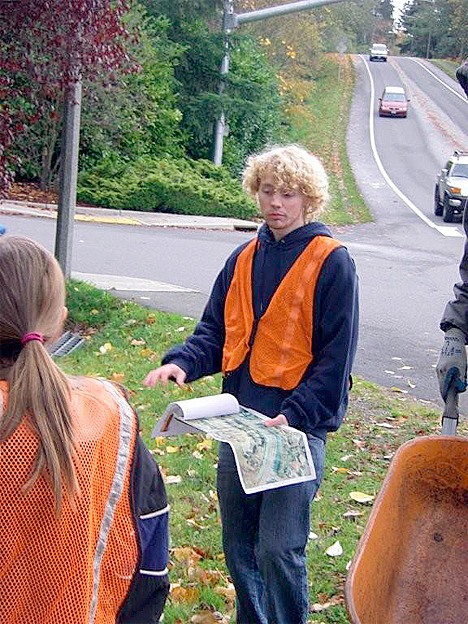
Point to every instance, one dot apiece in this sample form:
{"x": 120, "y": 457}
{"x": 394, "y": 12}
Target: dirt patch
{"x": 30, "y": 192}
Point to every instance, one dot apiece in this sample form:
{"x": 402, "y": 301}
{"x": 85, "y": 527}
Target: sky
{"x": 398, "y": 5}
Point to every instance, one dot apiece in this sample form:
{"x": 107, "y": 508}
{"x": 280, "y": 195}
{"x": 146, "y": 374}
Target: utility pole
{"x": 220, "y": 128}
{"x": 231, "y": 21}
{"x": 68, "y": 177}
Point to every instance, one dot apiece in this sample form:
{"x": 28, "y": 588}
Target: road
{"x": 407, "y": 259}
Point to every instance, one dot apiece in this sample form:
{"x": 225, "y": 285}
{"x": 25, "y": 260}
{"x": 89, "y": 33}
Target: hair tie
{"x": 32, "y": 336}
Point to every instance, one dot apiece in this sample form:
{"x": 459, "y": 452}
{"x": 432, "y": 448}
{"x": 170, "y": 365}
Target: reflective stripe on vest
{"x": 121, "y": 468}
{"x": 280, "y": 342}
{"x": 79, "y": 567}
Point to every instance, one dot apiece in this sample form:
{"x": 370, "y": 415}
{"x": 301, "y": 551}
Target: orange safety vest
{"x": 76, "y": 569}
{"x": 281, "y": 348}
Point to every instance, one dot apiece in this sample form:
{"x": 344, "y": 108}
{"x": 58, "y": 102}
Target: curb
{"x": 112, "y": 216}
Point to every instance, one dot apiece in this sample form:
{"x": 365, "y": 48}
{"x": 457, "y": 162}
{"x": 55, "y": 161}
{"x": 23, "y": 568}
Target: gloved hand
{"x": 451, "y": 367}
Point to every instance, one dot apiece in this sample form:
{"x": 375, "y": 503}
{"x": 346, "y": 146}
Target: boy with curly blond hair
{"x": 281, "y": 324}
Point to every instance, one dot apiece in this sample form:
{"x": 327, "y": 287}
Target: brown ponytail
{"x": 32, "y": 298}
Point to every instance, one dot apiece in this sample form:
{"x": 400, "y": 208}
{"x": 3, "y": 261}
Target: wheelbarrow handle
{"x": 451, "y": 414}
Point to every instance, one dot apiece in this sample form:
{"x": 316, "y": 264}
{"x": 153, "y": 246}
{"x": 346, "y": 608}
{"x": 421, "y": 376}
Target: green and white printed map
{"x": 266, "y": 457}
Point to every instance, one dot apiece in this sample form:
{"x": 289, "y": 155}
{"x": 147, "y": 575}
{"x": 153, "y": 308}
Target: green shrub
{"x": 166, "y": 185}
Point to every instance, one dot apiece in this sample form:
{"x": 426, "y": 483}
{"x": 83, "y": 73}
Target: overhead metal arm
{"x": 233, "y": 20}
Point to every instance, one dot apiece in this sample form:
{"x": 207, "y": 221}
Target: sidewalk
{"x": 127, "y": 217}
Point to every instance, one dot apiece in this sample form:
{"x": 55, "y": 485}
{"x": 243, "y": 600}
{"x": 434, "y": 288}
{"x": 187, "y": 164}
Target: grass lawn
{"x": 124, "y": 342}
{"x": 446, "y": 65}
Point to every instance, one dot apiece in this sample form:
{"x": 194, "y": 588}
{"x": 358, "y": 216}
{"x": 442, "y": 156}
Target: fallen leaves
{"x": 32, "y": 192}
{"x": 209, "y": 617}
{"x": 321, "y": 606}
{"x": 340, "y": 469}
{"x": 335, "y": 550}
{"x": 352, "y": 513}
{"x": 118, "y": 377}
{"x": 184, "y": 594}
{"x": 228, "y": 593}
{"x": 206, "y": 444}
{"x": 199, "y": 577}
{"x": 186, "y": 554}
{"x": 170, "y": 479}
{"x": 361, "y": 497}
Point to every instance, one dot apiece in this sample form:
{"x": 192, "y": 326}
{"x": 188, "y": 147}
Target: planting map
{"x": 266, "y": 457}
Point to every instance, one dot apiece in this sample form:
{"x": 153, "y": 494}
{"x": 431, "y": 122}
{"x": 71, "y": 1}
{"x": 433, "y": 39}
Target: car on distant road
{"x": 393, "y": 102}
{"x": 451, "y": 189}
{"x": 378, "y": 52}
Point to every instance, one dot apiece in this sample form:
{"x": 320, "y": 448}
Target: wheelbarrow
{"x": 411, "y": 563}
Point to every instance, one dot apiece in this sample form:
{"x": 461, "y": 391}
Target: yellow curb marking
{"x": 124, "y": 220}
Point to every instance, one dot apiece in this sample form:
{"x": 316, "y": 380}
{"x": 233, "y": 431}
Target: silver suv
{"x": 378, "y": 52}
{"x": 451, "y": 189}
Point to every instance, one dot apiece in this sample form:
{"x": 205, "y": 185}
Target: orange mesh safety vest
{"x": 281, "y": 348}
{"x": 76, "y": 569}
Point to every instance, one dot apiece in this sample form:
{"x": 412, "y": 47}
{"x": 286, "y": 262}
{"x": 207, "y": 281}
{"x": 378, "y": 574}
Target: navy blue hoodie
{"x": 319, "y": 402}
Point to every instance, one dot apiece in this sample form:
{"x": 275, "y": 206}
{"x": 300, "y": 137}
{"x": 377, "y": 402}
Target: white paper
{"x": 204, "y": 407}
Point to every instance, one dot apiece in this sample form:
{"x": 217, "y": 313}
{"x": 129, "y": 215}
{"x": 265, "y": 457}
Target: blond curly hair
{"x": 292, "y": 168}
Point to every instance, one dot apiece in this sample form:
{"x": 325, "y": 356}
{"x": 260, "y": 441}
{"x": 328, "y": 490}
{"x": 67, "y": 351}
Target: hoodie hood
{"x": 300, "y": 235}
{"x": 274, "y": 258}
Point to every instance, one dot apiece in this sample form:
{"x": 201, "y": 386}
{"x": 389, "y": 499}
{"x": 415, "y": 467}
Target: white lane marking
{"x": 121, "y": 282}
{"x": 462, "y": 98}
{"x": 445, "y": 230}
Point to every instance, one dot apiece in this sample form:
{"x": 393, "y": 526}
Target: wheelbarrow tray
{"x": 411, "y": 563}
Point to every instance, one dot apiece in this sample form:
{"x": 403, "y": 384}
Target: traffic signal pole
{"x": 232, "y": 20}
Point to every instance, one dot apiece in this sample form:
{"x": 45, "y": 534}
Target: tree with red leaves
{"x": 46, "y": 46}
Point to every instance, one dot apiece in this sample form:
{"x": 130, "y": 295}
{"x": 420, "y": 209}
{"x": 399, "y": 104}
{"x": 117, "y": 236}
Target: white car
{"x": 378, "y": 52}
{"x": 451, "y": 189}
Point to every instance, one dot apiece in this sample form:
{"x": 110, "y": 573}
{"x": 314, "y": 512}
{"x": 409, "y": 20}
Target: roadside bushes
{"x": 166, "y": 185}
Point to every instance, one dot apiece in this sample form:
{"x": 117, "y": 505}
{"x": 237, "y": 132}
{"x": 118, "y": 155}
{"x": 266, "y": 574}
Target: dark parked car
{"x": 393, "y": 102}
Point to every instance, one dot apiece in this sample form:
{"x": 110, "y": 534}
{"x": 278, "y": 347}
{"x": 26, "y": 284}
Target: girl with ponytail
{"x": 83, "y": 509}
{"x": 32, "y": 312}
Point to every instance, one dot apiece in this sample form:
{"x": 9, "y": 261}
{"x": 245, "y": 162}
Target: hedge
{"x": 166, "y": 185}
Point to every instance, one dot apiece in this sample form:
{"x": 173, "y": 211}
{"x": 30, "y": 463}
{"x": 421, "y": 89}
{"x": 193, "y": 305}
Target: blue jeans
{"x": 264, "y": 539}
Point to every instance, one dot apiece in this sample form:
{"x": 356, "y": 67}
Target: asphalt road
{"x": 407, "y": 259}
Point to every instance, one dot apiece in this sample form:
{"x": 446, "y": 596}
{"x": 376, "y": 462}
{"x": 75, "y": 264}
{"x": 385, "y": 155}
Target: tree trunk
{"x": 47, "y": 155}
